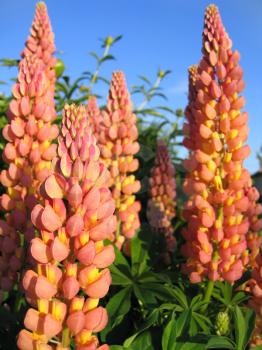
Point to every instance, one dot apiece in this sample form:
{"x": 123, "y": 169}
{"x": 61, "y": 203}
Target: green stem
{"x": 208, "y": 294}
{"x": 148, "y": 97}
{"x": 118, "y": 228}
{"x": 66, "y": 338}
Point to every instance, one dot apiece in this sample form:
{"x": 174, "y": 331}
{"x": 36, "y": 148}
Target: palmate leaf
{"x": 142, "y": 342}
{"x": 140, "y": 246}
{"x": 219, "y": 342}
{"x": 117, "y": 307}
{"x": 174, "y": 329}
{"x": 169, "y": 335}
{"x": 244, "y": 323}
{"x": 151, "y": 319}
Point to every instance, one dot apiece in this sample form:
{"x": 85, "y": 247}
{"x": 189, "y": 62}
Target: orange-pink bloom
{"x": 29, "y": 150}
{"x": 72, "y": 260}
{"x": 255, "y": 288}
{"x": 162, "y": 194}
{"x": 218, "y": 209}
{"x": 117, "y": 135}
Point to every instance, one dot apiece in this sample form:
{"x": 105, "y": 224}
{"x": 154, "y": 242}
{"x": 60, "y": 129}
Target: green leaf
{"x": 136, "y": 340}
{"x": 181, "y": 297}
{"x": 94, "y": 54}
{"x": 219, "y": 342}
{"x": 182, "y": 322}
{"x": 119, "y": 277}
{"x": 9, "y": 62}
{"x": 240, "y": 328}
{"x": 139, "y": 251}
{"x": 120, "y": 258}
{"x": 117, "y": 347}
{"x": 239, "y": 297}
{"x": 142, "y": 342}
{"x": 117, "y": 307}
{"x": 203, "y": 322}
{"x": 189, "y": 346}
{"x": 145, "y": 79}
{"x": 106, "y": 58}
{"x": 250, "y": 319}
{"x": 169, "y": 335}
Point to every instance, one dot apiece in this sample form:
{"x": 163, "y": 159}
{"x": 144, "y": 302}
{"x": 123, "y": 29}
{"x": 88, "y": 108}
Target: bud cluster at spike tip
{"x": 216, "y": 182}
{"x": 29, "y": 149}
{"x": 162, "y": 193}
{"x": 40, "y": 43}
{"x": 72, "y": 261}
{"x": 117, "y": 135}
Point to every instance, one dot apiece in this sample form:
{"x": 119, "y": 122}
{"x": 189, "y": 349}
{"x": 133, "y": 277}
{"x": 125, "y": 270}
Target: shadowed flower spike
{"x": 162, "y": 193}
{"x": 254, "y": 238}
{"x": 72, "y": 261}
{"x": 255, "y": 287}
{"x": 94, "y": 114}
{"x": 117, "y": 140}
{"x": 29, "y": 150}
{"x": 220, "y": 206}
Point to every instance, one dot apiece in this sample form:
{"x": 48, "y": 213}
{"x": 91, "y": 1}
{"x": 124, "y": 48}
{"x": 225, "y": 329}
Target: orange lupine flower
{"x": 29, "y": 150}
{"x": 72, "y": 260}
{"x": 217, "y": 183}
{"x": 117, "y": 135}
{"x": 162, "y": 193}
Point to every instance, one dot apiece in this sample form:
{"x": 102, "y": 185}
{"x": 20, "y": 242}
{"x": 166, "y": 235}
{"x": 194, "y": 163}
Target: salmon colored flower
{"x": 162, "y": 194}
{"x": 254, "y": 286}
{"x": 254, "y": 238}
{"x": 218, "y": 209}
{"x": 117, "y": 135}
{"x": 29, "y": 150}
{"x": 72, "y": 260}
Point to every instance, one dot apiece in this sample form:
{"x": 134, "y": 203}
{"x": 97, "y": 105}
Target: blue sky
{"x": 165, "y": 33}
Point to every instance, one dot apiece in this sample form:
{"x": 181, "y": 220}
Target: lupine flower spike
{"x": 28, "y": 151}
{"x": 217, "y": 182}
{"x": 254, "y": 237}
{"x": 95, "y": 115}
{"x": 117, "y": 140}
{"x": 72, "y": 261}
{"x": 162, "y": 193}
{"x": 255, "y": 287}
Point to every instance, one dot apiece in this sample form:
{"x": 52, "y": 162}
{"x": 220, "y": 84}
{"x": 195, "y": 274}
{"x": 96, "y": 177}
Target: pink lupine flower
{"x": 29, "y": 150}
{"x": 72, "y": 260}
{"x": 94, "y": 115}
{"x": 40, "y": 43}
{"x": 217, "y": 183}
{"x": 117, "y": 135}
{"x": 162, "y": 193}
{"x": 255, "y": 288}
{"x": 254, "y": 238}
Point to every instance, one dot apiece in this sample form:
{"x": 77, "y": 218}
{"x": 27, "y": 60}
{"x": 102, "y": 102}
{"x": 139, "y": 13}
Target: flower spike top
{"x": 40, "y": 43}
{"x": 72, "y": 261}
{"x": 161, "y": 205}
{"x": 118, "y": 144}
{"x": 217, "y": 183}
{"x": 29, "y": 150}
